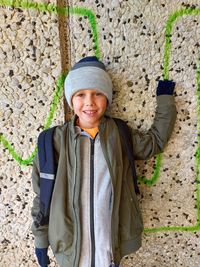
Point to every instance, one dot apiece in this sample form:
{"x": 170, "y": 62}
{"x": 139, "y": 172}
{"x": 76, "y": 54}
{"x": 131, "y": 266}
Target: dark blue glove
{"x": 165, "y": 88}
{"x": 42, "y": 256}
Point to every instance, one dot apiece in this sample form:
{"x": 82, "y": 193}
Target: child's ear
{"x": 72, "y": 106}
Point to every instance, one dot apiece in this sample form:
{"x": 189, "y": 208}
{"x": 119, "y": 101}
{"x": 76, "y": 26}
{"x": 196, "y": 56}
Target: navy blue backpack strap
{"x": 127, "y": 142}
{"x": 47, "y": 174}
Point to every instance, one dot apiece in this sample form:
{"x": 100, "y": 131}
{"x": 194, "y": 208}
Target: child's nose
{"x": 89, "y": 101}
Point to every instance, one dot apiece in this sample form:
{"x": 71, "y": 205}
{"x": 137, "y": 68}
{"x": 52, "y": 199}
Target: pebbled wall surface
{"x": 132, "y": 42}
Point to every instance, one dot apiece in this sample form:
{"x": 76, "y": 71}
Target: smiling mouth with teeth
{"x": 90, "y": 112}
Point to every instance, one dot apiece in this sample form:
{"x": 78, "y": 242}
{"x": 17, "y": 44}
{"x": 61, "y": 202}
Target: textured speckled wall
{"x": 132, "y": 41}
{"x": 29, "y": 71}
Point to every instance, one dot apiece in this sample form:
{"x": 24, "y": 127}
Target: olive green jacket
{"x": 63, "y": 231}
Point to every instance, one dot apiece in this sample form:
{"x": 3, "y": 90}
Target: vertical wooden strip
{"x": 65, "y": 49}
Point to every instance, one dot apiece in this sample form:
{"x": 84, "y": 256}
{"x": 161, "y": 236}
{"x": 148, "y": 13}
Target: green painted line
{"x": 156, "y": 173}
{"x": 56, "y": 98}
{"x": 169, "y": 27}
{"x": 168, "y": 33}
{"x": 59, "y": 86}
{"x": 91, "y": 17}
{"x": 173, "y": 229}
{"x": 59, "y": 89}
{"x": 51, "y": 8}
{"x": 197, "y": 179}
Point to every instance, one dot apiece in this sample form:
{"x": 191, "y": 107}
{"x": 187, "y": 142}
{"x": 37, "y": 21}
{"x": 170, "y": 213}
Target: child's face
{"x": 89, "y": 105}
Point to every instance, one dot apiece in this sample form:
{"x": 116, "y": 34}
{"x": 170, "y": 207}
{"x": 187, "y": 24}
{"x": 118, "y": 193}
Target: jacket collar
{"x": 75, "y": 133}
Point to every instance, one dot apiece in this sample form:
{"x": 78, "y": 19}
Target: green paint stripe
{"x": 89, "y": 14}
{"x": 169, "y": 27}
{"x": 56, "y": 98}
{"x": 173, "y": 229}
{"x": 45, "y": 7}
{"x": 155, "y": 175}
{"x": 91, "y": 17}
{"x": 168, "y": 33}
{"x": 197, "y": 179}
{"x": 59, "y": 87}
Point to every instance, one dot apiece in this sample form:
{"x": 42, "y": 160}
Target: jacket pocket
{"x": 133, "y": 197}
{"x": 131, "y": 224}
{"x": 61, "y": 235}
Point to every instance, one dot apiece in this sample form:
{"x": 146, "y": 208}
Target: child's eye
{"x": 80, "y": 95}
{"x": 99, "y": 94}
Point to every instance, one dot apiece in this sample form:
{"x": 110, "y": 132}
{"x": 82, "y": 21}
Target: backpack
{"x": 48, "y": 167}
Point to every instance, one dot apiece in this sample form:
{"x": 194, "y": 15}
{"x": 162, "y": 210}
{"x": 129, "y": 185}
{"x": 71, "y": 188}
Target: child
{"x": 94, "y": 217}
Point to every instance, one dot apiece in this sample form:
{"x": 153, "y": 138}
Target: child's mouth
{"x": 90, "y": 112}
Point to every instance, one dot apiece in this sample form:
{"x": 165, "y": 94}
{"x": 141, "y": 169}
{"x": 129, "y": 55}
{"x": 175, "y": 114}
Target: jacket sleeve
{"x": 40, "y": 233}
{"x": 152, "y": 142}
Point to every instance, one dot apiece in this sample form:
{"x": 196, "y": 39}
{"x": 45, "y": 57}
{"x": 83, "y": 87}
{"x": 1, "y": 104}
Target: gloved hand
{"x": 165, "y": 87}
{"x": 42, "y": 256}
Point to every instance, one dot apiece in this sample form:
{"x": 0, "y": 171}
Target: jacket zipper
{"x": 92, "y": 204}
{"x": 112, "y": 263}
{"x": 75, "y": 258}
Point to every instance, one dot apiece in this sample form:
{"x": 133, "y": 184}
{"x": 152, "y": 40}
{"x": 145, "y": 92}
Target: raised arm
{"x": 152, "y": 142}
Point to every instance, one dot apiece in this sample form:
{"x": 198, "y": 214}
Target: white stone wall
{"x": 132, "y": 44}
{"x": 29, "y": 70}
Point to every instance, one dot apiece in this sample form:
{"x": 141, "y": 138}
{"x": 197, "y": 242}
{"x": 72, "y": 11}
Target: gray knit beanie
{"x": 88, "y": 73}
